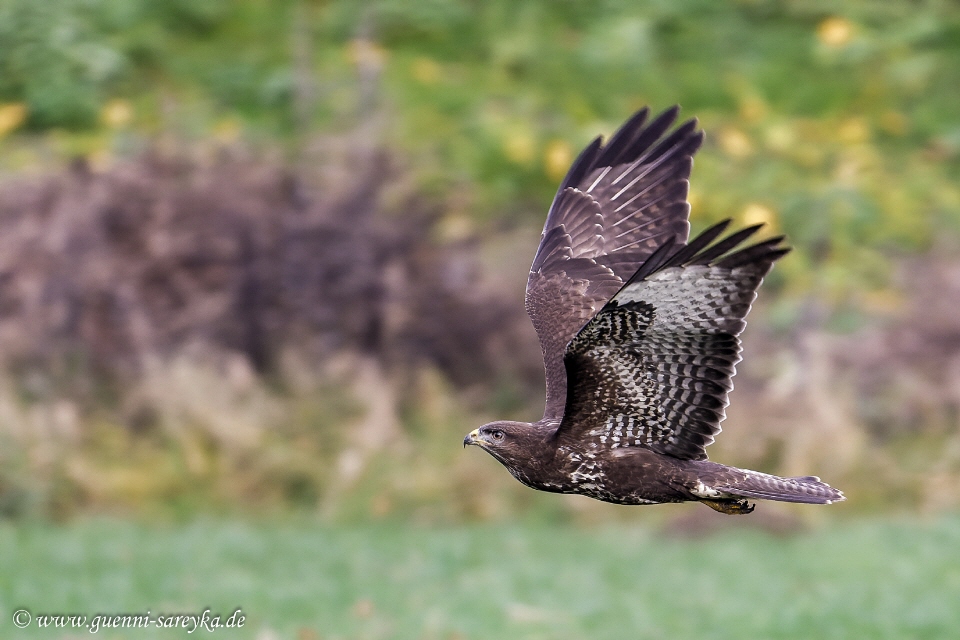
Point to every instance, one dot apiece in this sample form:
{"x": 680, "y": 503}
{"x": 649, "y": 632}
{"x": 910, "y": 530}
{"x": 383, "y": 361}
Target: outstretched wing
{"x": 654, "y": 367}
{"x": 619, "y": 202}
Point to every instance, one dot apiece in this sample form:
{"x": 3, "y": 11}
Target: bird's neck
{"x": 539, "y": 470}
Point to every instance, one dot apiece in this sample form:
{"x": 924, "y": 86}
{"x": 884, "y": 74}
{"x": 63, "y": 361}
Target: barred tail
{"x": 761, "y": 486}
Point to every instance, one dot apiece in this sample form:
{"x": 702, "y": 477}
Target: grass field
{"x": 860, "y": 579}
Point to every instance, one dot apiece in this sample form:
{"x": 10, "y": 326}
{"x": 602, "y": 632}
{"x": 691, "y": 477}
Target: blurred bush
{"x": 209, "y": 297}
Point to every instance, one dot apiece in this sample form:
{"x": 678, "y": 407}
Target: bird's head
{"x": 506, "y": 441}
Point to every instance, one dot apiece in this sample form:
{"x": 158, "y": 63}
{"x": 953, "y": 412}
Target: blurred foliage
{"x": 839, "y": 125}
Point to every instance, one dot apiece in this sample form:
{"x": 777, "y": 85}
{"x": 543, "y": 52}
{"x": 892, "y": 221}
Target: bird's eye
{"x": 497, "y": 435}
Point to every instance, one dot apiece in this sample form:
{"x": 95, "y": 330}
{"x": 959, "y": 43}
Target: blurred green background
{"x": 262, "y": 266}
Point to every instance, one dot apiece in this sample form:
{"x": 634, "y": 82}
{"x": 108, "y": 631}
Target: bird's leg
{"x": 730, "y": 507}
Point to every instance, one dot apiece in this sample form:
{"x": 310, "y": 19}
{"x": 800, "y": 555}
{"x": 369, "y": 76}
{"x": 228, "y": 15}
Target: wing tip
{"x": 641, "y": 135}
{"x": 706, "y": 250}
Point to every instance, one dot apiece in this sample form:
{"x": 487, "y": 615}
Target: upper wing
{"x": 619, "y": 202}
{"x": 654, "y": 367}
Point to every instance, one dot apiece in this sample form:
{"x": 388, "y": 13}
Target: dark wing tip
{"x": 711, "y": 253}
{"x": 686, "y": 253}
{"x": 638, "y": 142}
{"x": 633, "y": 139}
{"x": 765, "y": 252}
{"x": 702, "y": 250}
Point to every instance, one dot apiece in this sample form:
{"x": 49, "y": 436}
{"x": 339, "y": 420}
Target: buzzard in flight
{"x": 639, "y": 329}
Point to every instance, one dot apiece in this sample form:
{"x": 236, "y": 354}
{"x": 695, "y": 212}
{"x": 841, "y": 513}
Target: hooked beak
{"x": 472, "y": 438}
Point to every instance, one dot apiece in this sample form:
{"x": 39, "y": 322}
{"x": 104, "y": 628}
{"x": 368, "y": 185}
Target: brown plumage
{"x": 639, "y": 331}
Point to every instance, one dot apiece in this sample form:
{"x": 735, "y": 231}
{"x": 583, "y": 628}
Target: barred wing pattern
{"x": 617, "y": 205}
{"x": 654, "y": 367}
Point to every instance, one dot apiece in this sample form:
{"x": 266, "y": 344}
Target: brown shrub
{"x": 104, "y": 272}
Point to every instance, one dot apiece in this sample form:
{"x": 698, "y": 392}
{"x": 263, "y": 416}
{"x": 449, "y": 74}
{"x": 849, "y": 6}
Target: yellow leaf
{"x": 780, "y": 137}
{"x": 557, "y": 158}
{"x": 116, "y": 113}
{"x": 854, "y": 130}
{"x": 756, "y": 213}
{"x": 12, "y": 116}
{"x": 519, "y": 146}
{"x": 735, "y": 143}
{"x": 835, "y": 32}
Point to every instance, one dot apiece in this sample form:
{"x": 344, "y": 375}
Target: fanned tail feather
{"x": 761, "y": 486}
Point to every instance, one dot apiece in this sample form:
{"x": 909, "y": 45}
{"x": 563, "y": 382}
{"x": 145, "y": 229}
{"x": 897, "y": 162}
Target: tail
{"x": 761, "y": 486}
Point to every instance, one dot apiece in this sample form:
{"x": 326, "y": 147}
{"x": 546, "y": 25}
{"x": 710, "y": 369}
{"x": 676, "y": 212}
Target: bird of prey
{"x": 638, "y": 329}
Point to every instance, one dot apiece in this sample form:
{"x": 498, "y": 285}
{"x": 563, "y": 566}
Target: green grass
{"x": 876, "y": 579}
